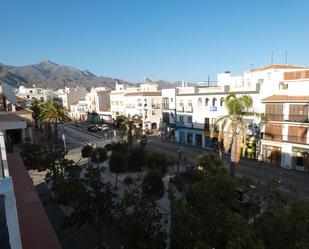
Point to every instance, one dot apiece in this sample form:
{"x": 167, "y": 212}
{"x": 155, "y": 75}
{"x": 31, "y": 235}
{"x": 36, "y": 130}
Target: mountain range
{"x": 52, "y": 75}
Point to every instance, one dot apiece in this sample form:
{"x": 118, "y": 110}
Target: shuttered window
{"x": 274, "y": 112}
{"x": 273, "y": 132}
{"x": 297, "y": 134}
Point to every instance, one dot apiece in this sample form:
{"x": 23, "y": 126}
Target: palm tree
{"x": 130, "y": 128}
{"x": 36, "y": 111}
{"x": 233, "y": 127}
{"x": 53, "y": 113}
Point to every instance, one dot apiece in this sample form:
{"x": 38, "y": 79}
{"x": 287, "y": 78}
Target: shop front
{"x": 272, "y": 155}
{"x": 300, "y": 159}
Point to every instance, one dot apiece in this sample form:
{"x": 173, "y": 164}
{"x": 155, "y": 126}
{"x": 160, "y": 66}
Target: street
{"x": 291, "y": 180}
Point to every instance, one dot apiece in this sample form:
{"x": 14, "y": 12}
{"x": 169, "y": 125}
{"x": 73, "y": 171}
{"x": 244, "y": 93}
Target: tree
{"x": 50, "y": 159}
{"x": 137, "y": 159}
{"x": 153, "y": 186}
{"x": 98, "y": 155}
{"x": 207, "y": 217}
{"x": 117, "y": 164}
{"x": 140, "y": 222}
{"x": 211, "y": 164}
{"x": 91, "y": 200}
{"x": 157, "y": 160}
{"x": 36, "y": 111}
{"x": 286, "y": 227}
{"x": 131, "y": 128}
{"x": 53, "y": 113}
{"x": 86, "y": 151}
{"x": 233, "y": 127}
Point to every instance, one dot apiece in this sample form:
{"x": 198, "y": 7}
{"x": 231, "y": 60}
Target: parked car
{"x": 103, "y": 127}
{"x": 92, "y": 128}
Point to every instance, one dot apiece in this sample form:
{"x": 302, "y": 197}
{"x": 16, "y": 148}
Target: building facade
{"x": 286, "y": 138}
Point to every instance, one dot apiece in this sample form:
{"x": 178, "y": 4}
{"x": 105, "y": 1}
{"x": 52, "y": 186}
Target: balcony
{"x": 165, "y": 106}
{"x": 155, "y": 106}
{"x": 274, "y": 117}
{"x": 180, "y": 109}
{"x": 298, "y": 118}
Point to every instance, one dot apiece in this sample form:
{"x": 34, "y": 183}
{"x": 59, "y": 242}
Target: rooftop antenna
{"x": 272, "y": 58}
{"x": 251, "y": 66}
{"x": 286, "y": 56}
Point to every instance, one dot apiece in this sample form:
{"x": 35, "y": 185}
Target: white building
{"x": 198, "y": 107}
{"x": 286, "y": 139}
{"x": 144, "y": 101}
{"x": 68, "y": 96}
{"x": 41, "y": 94}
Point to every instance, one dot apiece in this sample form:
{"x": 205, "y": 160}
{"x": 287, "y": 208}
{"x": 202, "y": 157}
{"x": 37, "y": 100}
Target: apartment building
{"x": 41, "y": 94}
{"x": 117, "y": 99}
{"x": 69, "y": 96}
{"x": 199, "y": 106}
{"x": 168, "y": 109}
{"x": 144, "y": 101}
{"x": 286, "y": 138}
{"x": 98, "y": 100}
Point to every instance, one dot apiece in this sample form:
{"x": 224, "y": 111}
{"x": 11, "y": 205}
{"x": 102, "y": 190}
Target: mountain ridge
{"x": 49, "y": 74}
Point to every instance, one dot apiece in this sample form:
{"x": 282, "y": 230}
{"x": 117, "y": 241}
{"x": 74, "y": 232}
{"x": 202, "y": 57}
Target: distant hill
{"x": 52, "y": 75}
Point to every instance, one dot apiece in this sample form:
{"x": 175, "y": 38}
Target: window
{"x": 274, "y": 112}
{"x": 153, "y": 113}
{"x": 298, "y": 113}
{"x": 189, "y": 119}
{"x": 214, "y": 100}
{"x": 199, "y": 101}
{"x": 283, "y": 86}
{"x": 190, "y": 102}
{"x": 206, "y": 101}
{"x": 273, "y": 132}
{"x": 165, "y": 103}
{"x": 172, "y": 100}
{"x": 297, "y": 134}
{"x": 180, "y": 118}
{"x": 221, "y": 101}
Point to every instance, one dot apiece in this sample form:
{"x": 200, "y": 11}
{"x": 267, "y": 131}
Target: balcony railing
{"x": 274, "y": 117}
{"x": 291, "y": 118}
{"x": 298, "y": 118}
{"x": 289, "y": 138}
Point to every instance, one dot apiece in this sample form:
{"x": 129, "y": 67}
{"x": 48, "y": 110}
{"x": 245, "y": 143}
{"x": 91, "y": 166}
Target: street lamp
{"x": 98, "y": 158}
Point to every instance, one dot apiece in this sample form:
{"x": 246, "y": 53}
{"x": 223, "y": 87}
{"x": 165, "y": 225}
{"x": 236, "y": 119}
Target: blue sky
{"x": 161, "y": 39}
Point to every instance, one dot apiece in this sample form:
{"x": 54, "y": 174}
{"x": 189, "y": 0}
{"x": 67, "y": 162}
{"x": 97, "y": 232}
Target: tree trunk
{"x": 36, "y": 124}
{"x": 130, "y": 139}
{"x": 56, "y": 130}
{"x": 232, "y": 169}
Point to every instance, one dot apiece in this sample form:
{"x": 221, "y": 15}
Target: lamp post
{"x": 98, "y": 158}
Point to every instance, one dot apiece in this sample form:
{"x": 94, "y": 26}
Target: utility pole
{"x": 272, "y": 58}
{"x": 286, "y": 56}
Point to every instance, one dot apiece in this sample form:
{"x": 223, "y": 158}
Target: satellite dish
{"x": 9, "y": 93}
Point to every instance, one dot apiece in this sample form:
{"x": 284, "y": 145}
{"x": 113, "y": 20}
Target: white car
{"x": 103, "y": 127}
